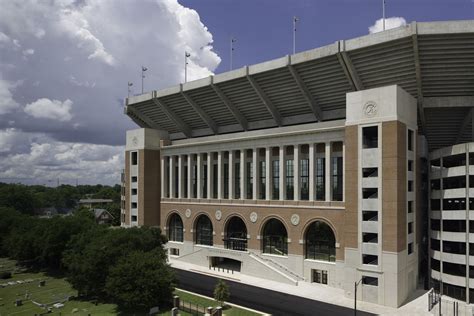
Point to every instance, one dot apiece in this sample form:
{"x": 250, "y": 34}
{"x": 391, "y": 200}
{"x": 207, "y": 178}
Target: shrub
{"x": 5, "y": 275}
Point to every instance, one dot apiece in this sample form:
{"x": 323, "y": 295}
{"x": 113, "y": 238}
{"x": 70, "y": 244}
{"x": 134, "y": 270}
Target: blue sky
{"x": 263, "y": 28}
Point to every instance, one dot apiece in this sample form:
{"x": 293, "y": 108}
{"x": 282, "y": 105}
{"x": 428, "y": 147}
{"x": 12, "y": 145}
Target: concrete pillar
{"x": 328, "y": 172}
{"x": 312, "y": 166}
{"x": 282, "y": 173}
{"x": 172, "y": 177}
{"x": 220, "y": 175}
{"x": 190, "y": 176}
{"x": 296, "y": 172}
{"x": 231, "y": 174}
{"x": 199, "y": 175}
{"x": 180, "y": 176}
{"x": 210, "y": 174}
{"x": 164, "y": 176}
{"x": 243, "y": 175}
{"x": 255, "y": 170}
{"x": 268, "y": 175}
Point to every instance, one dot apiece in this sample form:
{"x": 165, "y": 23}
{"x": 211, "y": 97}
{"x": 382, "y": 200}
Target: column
{"x": 190, "y": 176}
{"x": 231, "y": 174}
{"x": 209, "y": 175}
{"x": 164, "y": 176}
{"x": 220, "y": 175}
{"x": 199, "y": 175}
{"x": 243, "y": 175}
{"x": 312, "y": 195}
{"x": 268, "y": 175}
{"x": 328, "y": 172}
{"x": 296, "y": 172}
{"x": 172, "y": 177}
{"x": 282, "y": 173}
{"x": 180, "y": 176}
{"x": 255, "y": 169}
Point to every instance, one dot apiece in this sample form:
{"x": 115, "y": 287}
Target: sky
{"x": 65, "y": 65}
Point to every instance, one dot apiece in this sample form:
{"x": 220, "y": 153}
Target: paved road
{"x": 264, "y": 300}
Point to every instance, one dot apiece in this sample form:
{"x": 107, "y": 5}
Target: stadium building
{"x": 345, "y": 163}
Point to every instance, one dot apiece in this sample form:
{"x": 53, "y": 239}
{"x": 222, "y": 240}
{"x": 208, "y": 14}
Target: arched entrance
{"x": 175, "y": 228}
{"x": 275, "y": 238}
{"x": 236, "y": 234}
{"x": 320, "y": 242}
{"x": 204, "y": 231}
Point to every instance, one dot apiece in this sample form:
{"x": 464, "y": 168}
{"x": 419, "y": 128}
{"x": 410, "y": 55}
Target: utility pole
{"x": 295, "y": 19}
{"x": 383, "y": 14}
{"x": 130, "y": 84}
{"x": 355, "y": 296}
{"x": 232, "y": 41}
{"x": 143, "y": 75}
{"x": 186, "y": 55}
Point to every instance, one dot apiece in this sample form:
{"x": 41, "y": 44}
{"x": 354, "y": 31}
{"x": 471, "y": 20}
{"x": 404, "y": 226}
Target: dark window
{"x": 134, "y": 179}
{"x": 236, "y": 234}
{"x": 454, "y": 204}
{"x": 249, "y": 180}
{"x": 410, "y": 140}
{"x": 435, "y": 205}
{"x": 410, "y": 228}
{"x": 175, "y": 228}
{"x": 289, "y": 180}
{"x": 471, "y": 181}
{"x": 204, "y": 231}
{"x": 263, "y": 180}
{"x": 204, "y": 182}
{"x": 454, "y": 247}
{"x": 226, "y": 181}
{"x": 436, "y": 163}
{"x": 371, "y": 238}
{"x": 304, "y": 174}
{"x": 134, "y": 204}
{"x": 185, "y": 184}
{"x": 435, "y": 264}
{"x": 454, "y": 182}
{"x": 454, "y": 269}
{"x": 194, "y": 193}
{"x": 366, "y": 280}
{"x": 320, "y": 276}
{"x": 435, "y": 184}
{"x": 410, "y": 165}
{"x": 410, "y": 186}
{"x": 320, "y": 242}
{"x": 370, "y": 137}
{"x": 370, "y": 259}
{"x": 370, "y": 193}
{"x": 215, "y": 181}
{"x": 454, "y": 161}
{"x": 337, "y": 178}
{"x": 458, "y": 226}
{"x": 174, "y": 251}
{"x": 435, "y": 224}
{"x": 370, "y": 172}
{"x": 471, "y": 249}
{"x": 410, "y": 206}
{"x": 410, "y": 248}
{"x": 134, "y": 191}
{"x": 134, "y": 158}
{"x": 435, "y": 244}
{"x": 275, "y": 238}
{"x": 237, "y": 180}
{"x": 276, "y": 179}
{"x": 320, "y": 179}
{"x": 134, "y": 218}
{"x": 371, "y": 216}
{"x": 454, "y": 291}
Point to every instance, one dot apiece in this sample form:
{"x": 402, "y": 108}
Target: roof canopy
{"x": 433, "y": 61}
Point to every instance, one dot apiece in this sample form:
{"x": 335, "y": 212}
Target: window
{"x": 454, "y": 161}
{"x": 275, "y": 238}
{"x": 370, "y": 172}
{"x": 176, "y": 181}
{"x": 134, "y": 218}
{"x": 456, "y": 204}
{"x": 236, "y": 234}
{"x": 194, "y": 193}
{"x": 237, "y": 180}
{"x": 185, "y": 184}
{"x": 371, "y": 216}
{"x": 371, "y": 238}
{"x": 458, "y": 182}
{"x": 435, "y": 244}
{"x": 320, "y": 179}
{"x": 370, "y": 193}
{"x": 204, "y": 182}
{"x": 370, "y": 259}
{"x": 134, "y": 179}
{"x": 410, "y": 248}
{"x": 457, "y": 226}
{"x": 410, "y": 186}
{"x": 249, "y": 180}
{"x": 174, "y": 251}
{"x": 289, "y": 180}
{"x": 215, "y": 179}
{"x": 410, "y": 228}
{"x": 366, "y": 280}
{"x": 276, "y": 179}
{"x": 320, "y": 242}
{"x": 410, "y": 140}
{"x": 454, "y": 247}
{"x": 304, "y": 174}
{"x": 410, "y": 207}
{"x": 175, "y": 228}
{"x": 410, "y": 165}
{"x": 263, "y": 180}
{"x": 134, "y": 158}
{"x": 435, "y": 204}
{"x": 370, "y": 137}
{"x": 204, "y": 231}
{"x": 134, "y": 204}
{"x": 336, "y": 178}
{"x": 319, "y": 276}
{"x": 226, "y": 180}
{"x": 134, "y": 191}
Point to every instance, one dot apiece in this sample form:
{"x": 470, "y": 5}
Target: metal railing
{"x": 279, "y": 266}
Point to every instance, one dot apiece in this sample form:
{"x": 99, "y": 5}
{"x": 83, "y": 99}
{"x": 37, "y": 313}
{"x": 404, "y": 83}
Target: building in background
{"x": 316, "y": 167}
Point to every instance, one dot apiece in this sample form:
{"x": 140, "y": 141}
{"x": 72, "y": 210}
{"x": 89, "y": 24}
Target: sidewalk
{"x": 416, "y": 306}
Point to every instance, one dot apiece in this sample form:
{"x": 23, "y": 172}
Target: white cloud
{"x": 28, "y": 52}
{"x": 50, "y": 109}
{"x": 7, "y": 104}
{"x": 390, "y": 23}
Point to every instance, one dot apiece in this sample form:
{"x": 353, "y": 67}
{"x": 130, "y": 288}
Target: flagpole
{"x": 383, "y": 14}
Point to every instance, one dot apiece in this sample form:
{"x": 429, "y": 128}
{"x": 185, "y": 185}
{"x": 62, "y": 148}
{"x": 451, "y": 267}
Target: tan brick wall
{"x": 334, "y": 218}
{"x": 127, "y": 188}
{"x": 394, "y": 186}
{"x": 149, "y": 187}
{"x": 351, "y": 161}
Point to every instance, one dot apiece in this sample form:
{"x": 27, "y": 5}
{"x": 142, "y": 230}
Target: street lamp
{"x": 355, "y": 295}
{"x": 232, "y": 41}
{"x": 143, "y": 75}
{"x": 130, "y": 84}
{"x": 295, "y": 19}
{"x": 186, "y": 55}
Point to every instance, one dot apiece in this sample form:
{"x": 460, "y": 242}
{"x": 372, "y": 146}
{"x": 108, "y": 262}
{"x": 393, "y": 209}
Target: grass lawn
{"x": 58, "y": 289}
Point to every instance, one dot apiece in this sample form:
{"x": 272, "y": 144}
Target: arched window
{"x": 175, "y": 228}
{"x": 320, "y": 242}
{"x": 275, "y": 238}
{"x": 204, "y": 231}
{"x": 236, "y": 234}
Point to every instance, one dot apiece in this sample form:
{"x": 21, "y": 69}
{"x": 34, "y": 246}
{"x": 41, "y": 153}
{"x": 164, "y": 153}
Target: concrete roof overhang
{"x": 433, "y": 61}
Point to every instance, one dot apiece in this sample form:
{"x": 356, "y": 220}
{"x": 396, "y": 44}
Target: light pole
{"x": 186, "y": 55}
{"x": 130, "y": 84}
{"x": 295, "y": 19}
{"x": 355, "y": 295}
{"x": 232, "y": 41}
{"x": 143, "y": 75}
{"x": 383, "y": 14}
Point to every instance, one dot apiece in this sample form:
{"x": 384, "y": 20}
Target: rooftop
{"x": 433, "y": 61}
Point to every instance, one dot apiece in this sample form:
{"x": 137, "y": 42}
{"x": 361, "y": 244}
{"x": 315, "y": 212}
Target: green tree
{"x": 221, "y": 292}
{"x": 18, "y": 197}
{"x": 9, "y": 218}
{"x": 140, "y": 279}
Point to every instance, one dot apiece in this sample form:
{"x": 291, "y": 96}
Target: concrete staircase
{"x": 277, "y": 267}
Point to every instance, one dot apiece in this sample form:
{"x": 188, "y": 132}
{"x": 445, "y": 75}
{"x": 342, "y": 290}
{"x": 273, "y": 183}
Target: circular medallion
{"x": 188, "y": 213}
{"x": 295, "y": 219}
{"x": 135, "y": 140}
{"x": 370, "y": 109}
{"x": 253, "y": 217}
{"x": 218, "y": 215}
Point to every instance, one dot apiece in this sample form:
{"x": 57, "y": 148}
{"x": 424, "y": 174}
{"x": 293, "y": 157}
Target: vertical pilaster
{"x": 328, "y": 172}
{"x": 312, "y": 166}
{"x": 200, "y": 180}
{"x": 296, "y": 172}
{"x": 209, "y": 175}
{"x": 268, "y": 165}
{"x": 220, "y": 175}
{"x": 231, "y": 174}
{"x": 172, "y": 177}
{"x": 255, "y": 169}
{"x": 164, "y": 177}
{"x": 243, "y": 174}
{"x": 180, "y": 176}
{"x": 189, "y": 184}
{"x": 282, "y": 173}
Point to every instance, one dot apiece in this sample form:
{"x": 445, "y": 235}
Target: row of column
{"x": 169, "y": 168}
